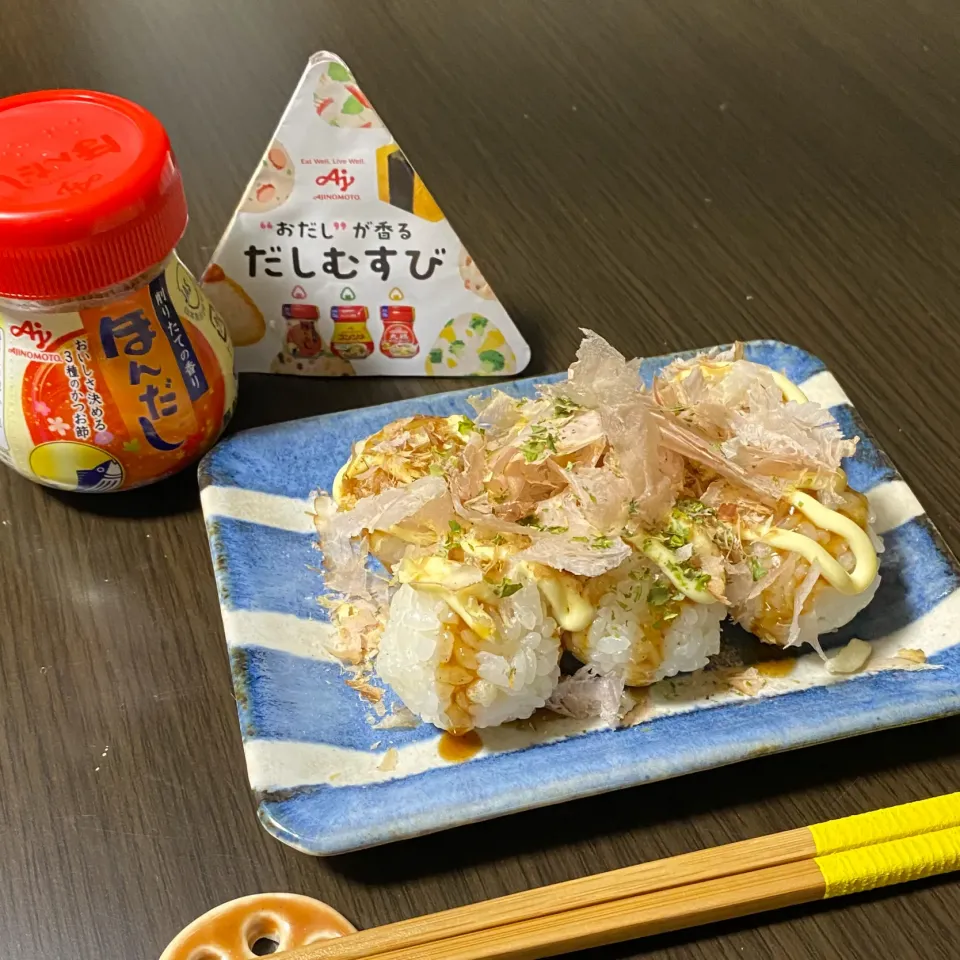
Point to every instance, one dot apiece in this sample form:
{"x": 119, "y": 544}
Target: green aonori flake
{"x": 757, "y": 570}
{"x": 695, "y": 508}
{"x": 540, "y": 441}
{"x": 659, "y": 595}
{"x": 601, "y": 542}
{"x": 678, "y": 532}
{"x": 455, "y": 527}
{"x": 507, "y": 588}
{"x": 701, "y": 581}
{"x": 565, "y": 407}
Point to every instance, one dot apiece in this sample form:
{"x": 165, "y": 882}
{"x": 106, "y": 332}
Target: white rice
{"x": 625, "y": 639}
{"x": 832, "y": 610}
{"x": 517, "y": 671}
{"x": 825, "y": 609}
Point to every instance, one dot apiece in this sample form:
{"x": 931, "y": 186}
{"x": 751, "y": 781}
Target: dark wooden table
{"x": 672, "y": 173}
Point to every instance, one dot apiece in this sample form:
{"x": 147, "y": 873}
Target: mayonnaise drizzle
{"x": 789, "y": 389}
{"x": 865, "y": 556}
{"x": 569, "y": 608}
{"x": 830, "y": 569}
{"x": 664, "y": 558}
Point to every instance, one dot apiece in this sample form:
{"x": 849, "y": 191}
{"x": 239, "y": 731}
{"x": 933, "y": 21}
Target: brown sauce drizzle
{"x": 456, "y": 749}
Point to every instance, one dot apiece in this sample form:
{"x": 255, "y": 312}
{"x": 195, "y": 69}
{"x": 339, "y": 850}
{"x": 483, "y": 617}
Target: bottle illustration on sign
{"x": 303, "y": 337}
{"x": 398, "y": 339}
{"x": 303, "y": 352}
{"x": 351, "y": 336}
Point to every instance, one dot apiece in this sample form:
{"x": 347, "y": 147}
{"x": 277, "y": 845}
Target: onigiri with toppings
{"x": 464, "y": 555}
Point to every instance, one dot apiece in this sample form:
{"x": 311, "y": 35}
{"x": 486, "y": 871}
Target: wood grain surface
{"x": 672, "y": 173}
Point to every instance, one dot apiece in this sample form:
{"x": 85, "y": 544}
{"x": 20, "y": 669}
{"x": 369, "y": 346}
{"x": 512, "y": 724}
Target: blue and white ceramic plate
{"x": 331, "y": 778}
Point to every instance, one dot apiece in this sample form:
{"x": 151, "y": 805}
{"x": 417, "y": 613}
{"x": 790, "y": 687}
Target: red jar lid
{"x": 399, "y": 313}
{"x": 300, "y": 311}
{"x": 90, "y": 193}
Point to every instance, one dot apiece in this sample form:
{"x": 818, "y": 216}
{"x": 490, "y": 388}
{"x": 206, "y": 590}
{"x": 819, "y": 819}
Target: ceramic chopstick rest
{"x": 255, "y": 926}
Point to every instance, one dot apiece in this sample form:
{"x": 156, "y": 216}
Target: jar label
{"x": 4, "y": 448}
{"x": 351, "y": 338}
{"x": 398, "y": 339}
{"x": 117, "y": 394}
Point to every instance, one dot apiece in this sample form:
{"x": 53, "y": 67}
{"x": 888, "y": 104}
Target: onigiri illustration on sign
{"x": 340, "y": 102}
{"x": 473, "y": 278}
{"x": 243, "y": 317}
{"x": 470, "y": 346}
{"x": 273, "y": 184}
{"x": 290, "y": 360}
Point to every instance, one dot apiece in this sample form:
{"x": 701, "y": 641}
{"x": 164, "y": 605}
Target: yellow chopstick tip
{"x": 884, "y": 864}
{"x": 893, "y": 823}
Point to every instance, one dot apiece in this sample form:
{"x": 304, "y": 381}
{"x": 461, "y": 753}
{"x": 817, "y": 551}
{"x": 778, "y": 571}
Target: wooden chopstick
{"x": 778, "y": 848}
{"x": 698, "y": 903}
{"x": 629, "y": 918}
{"x": 693, "y": 888}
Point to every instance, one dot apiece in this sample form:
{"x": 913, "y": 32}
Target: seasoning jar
{"x": 303, "y": 338}
{"x": 351, "y": 338}
{"x": 115, "y": 369}
{"x": 398, "y": 339}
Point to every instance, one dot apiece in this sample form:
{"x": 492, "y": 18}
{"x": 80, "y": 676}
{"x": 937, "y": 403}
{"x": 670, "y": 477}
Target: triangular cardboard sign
{"x": 335, "y": 206}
